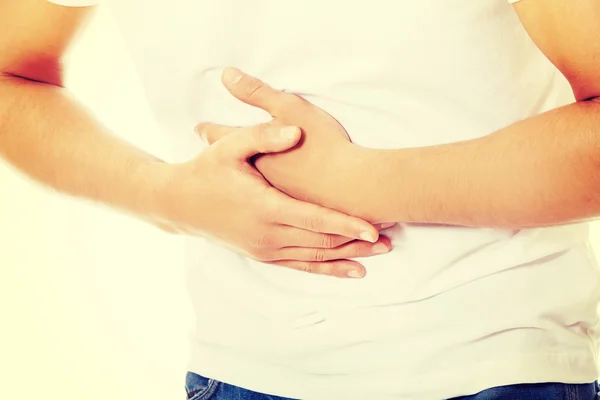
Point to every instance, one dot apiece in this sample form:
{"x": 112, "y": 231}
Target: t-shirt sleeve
{"x": 75, "y": 3}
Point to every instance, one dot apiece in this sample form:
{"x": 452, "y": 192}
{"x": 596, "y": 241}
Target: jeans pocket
{"x": 198, "y": 387}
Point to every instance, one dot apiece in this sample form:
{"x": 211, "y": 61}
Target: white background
{"x": 93, "y": 303}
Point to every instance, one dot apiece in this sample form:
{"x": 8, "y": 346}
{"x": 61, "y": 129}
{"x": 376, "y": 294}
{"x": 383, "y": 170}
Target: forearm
{"x": 51, "y": 137}
{"x": 541, "y": 171}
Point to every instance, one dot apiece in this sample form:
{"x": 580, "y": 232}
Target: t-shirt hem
{"x": 462, "y": 380}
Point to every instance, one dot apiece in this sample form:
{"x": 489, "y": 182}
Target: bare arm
{"x": 44, "y": 130}
{"x": 538, "y": 172}
{"x": 49, "y": 135}
{"x": 541, "y": 171}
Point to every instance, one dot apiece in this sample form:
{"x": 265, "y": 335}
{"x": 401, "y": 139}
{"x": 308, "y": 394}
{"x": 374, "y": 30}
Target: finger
{"x": 253, "y": 91}
{"x": 211, "y": 133}
{"x": 294, "y": 237}
{"x": 384, "y": 225}
{"x": 288, "y": 236}
{"x": 315, "y": 218}
{"x": 337, "y": 268}
{"x": 264, "y": 138}
{"x": 353, "y": 249}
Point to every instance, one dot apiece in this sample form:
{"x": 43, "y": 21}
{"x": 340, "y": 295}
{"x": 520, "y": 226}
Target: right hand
{"x": 220, "y": 195}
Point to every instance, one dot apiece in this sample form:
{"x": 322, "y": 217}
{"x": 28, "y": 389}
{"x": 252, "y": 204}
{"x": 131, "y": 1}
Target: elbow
{"x": 46, "y": 71}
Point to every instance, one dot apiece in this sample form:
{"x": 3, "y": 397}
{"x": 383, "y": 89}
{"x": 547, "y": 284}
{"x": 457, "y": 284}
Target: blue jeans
{"x": 201, "y": 388}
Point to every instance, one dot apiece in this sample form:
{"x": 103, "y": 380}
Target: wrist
{"x": 374, "y": 182}
{"x": 151, "y": 184}
{"x": 347, "y": 184}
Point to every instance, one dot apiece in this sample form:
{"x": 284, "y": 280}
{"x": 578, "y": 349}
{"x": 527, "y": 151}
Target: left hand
{"x": 312, "y": 164}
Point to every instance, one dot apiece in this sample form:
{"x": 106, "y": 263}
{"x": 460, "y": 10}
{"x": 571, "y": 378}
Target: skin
{"x": 47, "y": 134}
{"x": 537, "y": 172}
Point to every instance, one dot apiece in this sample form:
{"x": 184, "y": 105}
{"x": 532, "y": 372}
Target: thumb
{"x": 252, "y": 91}
{"x": 265, "y": 138}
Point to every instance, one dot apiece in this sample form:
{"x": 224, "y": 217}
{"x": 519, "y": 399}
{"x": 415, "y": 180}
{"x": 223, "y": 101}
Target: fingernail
{"x": 232, "y": 75}
{"x": 368, "y": 237}
{"x": 354, "y": 274}
{"x": 387, "y": 225}
{"x": 289, "y": 132}
{"x": 202, "y": 136}
{"x": 380, "y": 248}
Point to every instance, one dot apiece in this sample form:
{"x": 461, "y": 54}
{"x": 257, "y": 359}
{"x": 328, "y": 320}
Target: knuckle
{"x": 261, "y": 241}
{"x": 313, "y": 223}
{"x": 328, "y": 241}
{"x": 307, "y": 267}
{"x": 320, "y": 255}
{"x": 252, "y": 86}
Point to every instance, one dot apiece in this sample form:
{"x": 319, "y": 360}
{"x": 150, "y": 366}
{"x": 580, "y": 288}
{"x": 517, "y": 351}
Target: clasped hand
{"x": 254, "y": 216}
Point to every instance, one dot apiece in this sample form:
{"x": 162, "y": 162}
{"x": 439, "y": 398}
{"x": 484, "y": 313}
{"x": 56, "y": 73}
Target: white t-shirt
{"x": 451, "y": 310}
